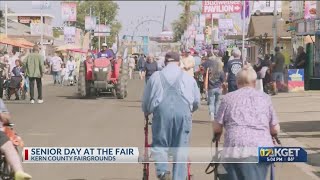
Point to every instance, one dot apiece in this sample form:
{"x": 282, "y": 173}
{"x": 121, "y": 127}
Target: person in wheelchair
{"x": 16, "y": 80}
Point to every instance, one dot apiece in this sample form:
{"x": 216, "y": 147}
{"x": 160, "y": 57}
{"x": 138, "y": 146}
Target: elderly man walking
{"x": 171, "y": 95}
{"x": 233, "y": 67}
{"x": 34, "y": 69}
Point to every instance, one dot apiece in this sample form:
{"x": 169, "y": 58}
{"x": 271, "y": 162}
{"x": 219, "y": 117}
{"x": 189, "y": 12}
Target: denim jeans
{"x": 56, "y": 77}
{"x": 214, "y": 101}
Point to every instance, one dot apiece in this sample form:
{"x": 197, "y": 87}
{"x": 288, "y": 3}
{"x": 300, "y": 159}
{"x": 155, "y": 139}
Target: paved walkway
{"x": 66, "y": 120}
{"x": 299, "y": 115}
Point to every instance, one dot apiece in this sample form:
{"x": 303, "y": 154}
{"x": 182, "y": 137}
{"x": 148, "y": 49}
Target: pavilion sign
{"x": 213, "y": 7}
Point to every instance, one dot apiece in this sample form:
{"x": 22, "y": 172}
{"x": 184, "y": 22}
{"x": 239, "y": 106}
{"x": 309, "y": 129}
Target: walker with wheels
{"x": 146, "y": 156}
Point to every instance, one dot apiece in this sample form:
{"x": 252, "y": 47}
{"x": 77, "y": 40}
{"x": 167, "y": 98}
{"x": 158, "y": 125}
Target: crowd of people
{"x": 228, "y": 84}
{"x": 62, "y": 68}
{"x": 21, "y": 70}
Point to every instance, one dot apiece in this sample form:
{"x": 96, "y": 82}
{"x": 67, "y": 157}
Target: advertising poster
{"x": 225, "y": 24}
{"x": 69, "y": 11}
{"x": 297, "y": 10}
{"x": 69, "y": 35}
{"x": 35, "y": 28}
{"x": 202, "y": 20}
{"x": 310, "y": 9}
{"x": 295, "y": 80}
{"x": 90, "y": 22}
{"x": 29, "y": 19}
{"x": 101, "y": 30}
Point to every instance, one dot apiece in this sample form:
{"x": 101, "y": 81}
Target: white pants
{"x": 130, "y": 72}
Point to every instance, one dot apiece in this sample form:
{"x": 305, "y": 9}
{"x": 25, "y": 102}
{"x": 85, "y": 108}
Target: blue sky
{"x": 130, "y": 13}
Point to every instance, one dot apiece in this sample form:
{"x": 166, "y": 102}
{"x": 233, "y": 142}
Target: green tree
{"x": 105, "y": 11}
{"x": 56, "y": 33}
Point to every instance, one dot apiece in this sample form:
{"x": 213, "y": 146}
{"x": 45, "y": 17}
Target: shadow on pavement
{"x": 300, "y": 126}
{"x": 200, "y": 122}
{"x": 77, "y": 97}
{"x": 127, "y": 100}
{"x": 314, "y": 159}
{"x": 134, "y": 106}
{"x": 118, "y": 179}
{"x": 16, "y": 102}
{"x": 317, "y": 173}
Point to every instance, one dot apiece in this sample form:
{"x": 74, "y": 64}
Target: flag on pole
{"x": 247, "y": 9}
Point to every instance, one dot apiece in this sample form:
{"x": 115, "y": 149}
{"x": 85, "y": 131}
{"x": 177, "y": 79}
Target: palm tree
{"x": 186, "y": 5}
{"x": 185, "y": 19}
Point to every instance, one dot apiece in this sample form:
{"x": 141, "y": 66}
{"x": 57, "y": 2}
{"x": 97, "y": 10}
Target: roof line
{"x": 29, "y": 14}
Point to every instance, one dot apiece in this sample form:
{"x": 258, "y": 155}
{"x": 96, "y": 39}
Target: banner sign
{"x": 35, "y": 29}
{"x": 297, "y": 10}
{"x": 29, "y": 19}
{"x": 200, "y": 37}
{"x": 102, "y": 30}
{"x": 296, "y": 80}
{"x": 69, "y": 11}
{"x": 202, "y": 20}
{"x": 215, "y": 6}
{"x": 317, "y": 26}
{"x": 41, "y": 4}
{"x": 225, "y": 24}
{"x": 310, "y": 9}
{"x": 90, "y": 22}
{"x": 69, "y": 35}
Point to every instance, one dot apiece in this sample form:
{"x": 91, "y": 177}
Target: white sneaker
{"x": 32, "y": 101}
{"x": 40, "y": 101}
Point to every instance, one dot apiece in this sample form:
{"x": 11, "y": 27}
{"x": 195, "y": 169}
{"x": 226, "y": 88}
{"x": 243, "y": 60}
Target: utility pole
{"x": 6, "y": 17}
{"x": 90, "y": 36}
{"x": 317, "y": 38}
{"x": 105, "y": 37}
{"x": 274, "y": 26}
{"x": 99, "y": 32}
{"x": 41, "y": 24}
{"x": 164, "y": 17}
{"x": 243, "y": 30}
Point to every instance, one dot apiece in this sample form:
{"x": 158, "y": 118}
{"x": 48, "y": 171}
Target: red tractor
{"x": 103, "y": 75}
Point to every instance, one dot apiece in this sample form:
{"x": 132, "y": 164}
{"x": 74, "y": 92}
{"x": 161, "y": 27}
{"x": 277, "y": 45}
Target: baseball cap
{"x": 104, "y": 45}
{"x": 172, "y": 56}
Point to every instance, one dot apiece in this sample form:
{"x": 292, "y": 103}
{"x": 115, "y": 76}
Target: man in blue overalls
{"x": 171, "y": 95}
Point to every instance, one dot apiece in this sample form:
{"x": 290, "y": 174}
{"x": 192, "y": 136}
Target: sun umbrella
{"x": 24, "y": 42}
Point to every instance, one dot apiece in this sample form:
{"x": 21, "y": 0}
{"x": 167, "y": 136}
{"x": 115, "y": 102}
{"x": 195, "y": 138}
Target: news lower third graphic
{"x": 282, "y": 154}
{"x": 142, "y": 155}
{"x": 80, "y": 155}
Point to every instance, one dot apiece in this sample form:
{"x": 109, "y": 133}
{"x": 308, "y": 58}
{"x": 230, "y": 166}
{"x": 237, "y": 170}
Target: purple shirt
{"x": 247, "y": 115}
{"x": 105, "y": 53}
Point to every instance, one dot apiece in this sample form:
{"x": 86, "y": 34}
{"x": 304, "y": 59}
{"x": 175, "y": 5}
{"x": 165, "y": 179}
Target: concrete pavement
{"x": 66, "y": 120}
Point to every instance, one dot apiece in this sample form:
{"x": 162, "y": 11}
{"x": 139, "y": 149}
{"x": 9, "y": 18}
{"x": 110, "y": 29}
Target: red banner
{"x": 211, "y": 7}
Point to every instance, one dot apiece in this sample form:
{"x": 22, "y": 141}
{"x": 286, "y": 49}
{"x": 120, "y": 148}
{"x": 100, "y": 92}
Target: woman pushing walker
{"x": 250, "y": 121}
